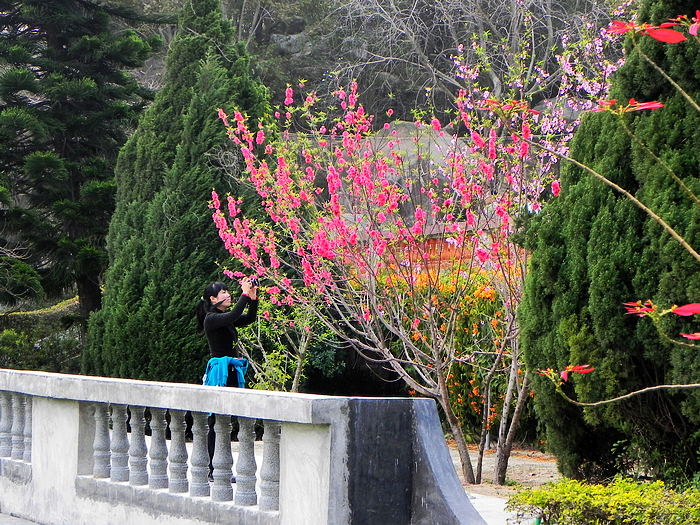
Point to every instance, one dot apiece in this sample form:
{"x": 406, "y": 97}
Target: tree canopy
{"x": 66, "y": 107}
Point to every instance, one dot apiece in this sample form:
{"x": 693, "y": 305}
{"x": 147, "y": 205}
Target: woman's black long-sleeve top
{"x": 220, "y": 327}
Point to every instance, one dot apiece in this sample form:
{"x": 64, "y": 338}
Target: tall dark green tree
{"x": 163, "y": 245}
{"x": 66, "y": 106}
{"x": 593, "y": 250}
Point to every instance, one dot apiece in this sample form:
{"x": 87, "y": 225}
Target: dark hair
{"x": 204, "y": 305}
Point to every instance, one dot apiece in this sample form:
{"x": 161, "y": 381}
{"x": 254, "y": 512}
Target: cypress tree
{"x": 66, "y": 105}
{"x": 162, "y": 243}
{"x": 592, "y": 250}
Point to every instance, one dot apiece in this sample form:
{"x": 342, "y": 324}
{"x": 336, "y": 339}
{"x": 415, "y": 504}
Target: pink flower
{"x": 555, "y": 188}
{"x": 695, "y": 25}
{"x": 482, "y": 255}
{"x": 695, "y": 336}
{"x": 524, "y": 147}
{"x": 223, "y": 117}
{"x": 477, "y": 139}
{"x": 470, "y": 219}
{"x": 288, "y": 96}
{"x": 492, "y": 143}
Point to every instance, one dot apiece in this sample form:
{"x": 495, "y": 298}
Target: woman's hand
{"x": 248, "y": 288}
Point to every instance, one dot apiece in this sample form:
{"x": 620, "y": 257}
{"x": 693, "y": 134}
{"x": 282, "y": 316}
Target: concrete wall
{"x": 342, "y": 461}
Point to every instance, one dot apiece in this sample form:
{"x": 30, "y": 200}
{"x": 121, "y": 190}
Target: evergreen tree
{"x": 592, "y": 250}
{"x": 162, "y": 242}
{"x": 66, "y": 105}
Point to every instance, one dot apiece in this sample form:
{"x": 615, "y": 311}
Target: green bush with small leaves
{"x": 622, "y": 502}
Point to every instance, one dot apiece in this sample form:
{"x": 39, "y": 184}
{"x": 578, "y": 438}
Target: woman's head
{"x": 215, "y": 295}
{"x": 213, "y": 290}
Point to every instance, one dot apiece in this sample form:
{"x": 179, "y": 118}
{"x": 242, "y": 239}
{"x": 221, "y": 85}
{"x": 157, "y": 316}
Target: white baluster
{"x": 138, "y": 472}
{"x": 100, "y": 446}
{"x": 159, "y": 451}
{"x": 120, "y": 445}
{"x": 17, "y": 426}
{"x": 221, "y": 490}
{"x": 270, "y": 469}
{"x": 5, "y": 424}
{"x": 246, "y": 465}
{"x": 200, "y": 456}
{"x": 27, "y": 456}
{"x": 178, "y": 452}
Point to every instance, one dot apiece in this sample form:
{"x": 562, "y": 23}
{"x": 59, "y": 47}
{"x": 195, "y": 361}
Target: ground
{"x": 527, "y": 468}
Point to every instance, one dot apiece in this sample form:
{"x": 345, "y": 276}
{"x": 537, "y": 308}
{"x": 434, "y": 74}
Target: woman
{"x": 220, "y": 325}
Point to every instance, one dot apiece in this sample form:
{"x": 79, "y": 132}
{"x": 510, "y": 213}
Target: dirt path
{"x": 526, "y": 469}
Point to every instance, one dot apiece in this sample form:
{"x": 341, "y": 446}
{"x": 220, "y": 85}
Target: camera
{"x": 254, "y": 281}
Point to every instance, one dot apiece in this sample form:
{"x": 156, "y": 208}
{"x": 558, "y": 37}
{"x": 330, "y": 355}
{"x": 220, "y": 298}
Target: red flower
{"x": 622, "y": 27}
{"x": 638, "y": 106}
{"x": 639, "y": 309}
{"x": 696, "y": 336}
{"x": 579, "y": 369}
{"x": 661, "y": 33}
{"x": 665, "y": 35}
{"x": 607, "y": 105}
{"x": 687, "y": 310}
{"x": 604, "y": 105}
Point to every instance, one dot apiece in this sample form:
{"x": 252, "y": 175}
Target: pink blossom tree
{"x": 382, "y": 236}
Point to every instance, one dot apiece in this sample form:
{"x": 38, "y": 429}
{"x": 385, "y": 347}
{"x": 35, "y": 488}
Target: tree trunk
{"x": 297, "y": 372}
{"x": 505, "y": 448}
{"x": 487, "y": 404}
{"x": 90, "y": 300}
{"x": 484, "y": 428}
{"x": 456, "y": 429}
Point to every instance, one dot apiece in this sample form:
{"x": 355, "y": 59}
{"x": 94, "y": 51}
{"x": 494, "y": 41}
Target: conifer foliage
{"x": 163, "y": 250}
{"x": 65, "y": 106}
{"x": 593, "y": 250}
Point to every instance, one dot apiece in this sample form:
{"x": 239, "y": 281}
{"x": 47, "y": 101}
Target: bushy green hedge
{"x": 622, "y": 502}
{"x": 42, "y": 339}
{"x": 42, "y": 322}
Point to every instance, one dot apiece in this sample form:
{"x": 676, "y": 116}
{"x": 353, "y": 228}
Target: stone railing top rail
{"x": 279, "y": 406}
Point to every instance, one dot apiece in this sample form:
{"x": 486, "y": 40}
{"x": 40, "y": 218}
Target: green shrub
{"x": 13, "y": 346}
{"x": 622, "y": 502}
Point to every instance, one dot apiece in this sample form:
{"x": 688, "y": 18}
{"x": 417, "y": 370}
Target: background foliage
{"x": 66, "y": 104}
{"x": 162, "y": 247}
{"x": 593, "y": 250}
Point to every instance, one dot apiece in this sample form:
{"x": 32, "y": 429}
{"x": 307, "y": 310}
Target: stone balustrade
{"x": 79, "y": 449}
